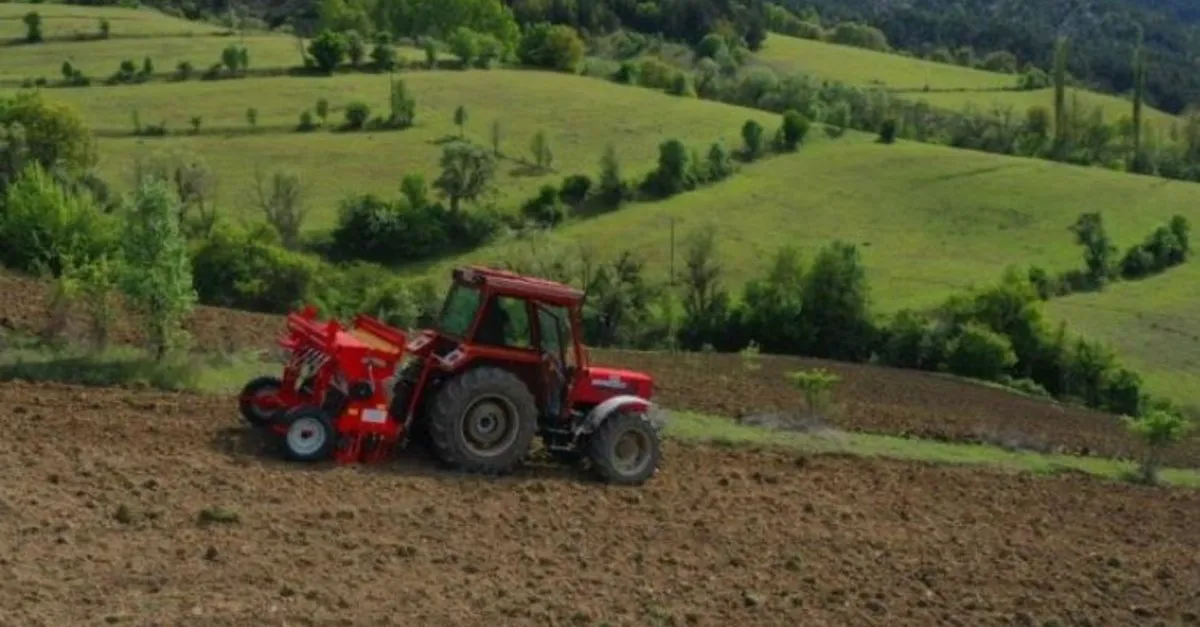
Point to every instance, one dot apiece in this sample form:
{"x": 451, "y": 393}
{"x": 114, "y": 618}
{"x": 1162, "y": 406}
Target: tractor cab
{"x": 503, "y": 363}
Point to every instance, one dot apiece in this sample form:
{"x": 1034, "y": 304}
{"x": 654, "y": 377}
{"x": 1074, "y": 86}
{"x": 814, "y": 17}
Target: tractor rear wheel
{"x": 483, "y": 420}
{"x": 625, "y": 449}
{"x": 259, "y": 401}
{"x": 310, "y": 436}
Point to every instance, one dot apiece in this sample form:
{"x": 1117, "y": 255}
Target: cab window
{"x": 505, "y": 323}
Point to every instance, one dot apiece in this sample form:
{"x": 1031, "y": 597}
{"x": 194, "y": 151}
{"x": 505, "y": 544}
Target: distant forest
{"x": 1103, "y": 34}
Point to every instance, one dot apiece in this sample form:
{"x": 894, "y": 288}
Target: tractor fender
{"x": 610, "y": 407}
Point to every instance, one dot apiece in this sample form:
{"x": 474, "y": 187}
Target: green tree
{"x": 610, "y": 189}
{"x": 383, "y": 55}
{"x": 356, "y": 48}
{"x": 543, "y": 156}
{"x": 467, "y": 173}
{"x": 836, "y": 304}
{"x": 1159, "y": 430}
{"x": 705, "y": 301}
{"x": 460, "y": 120}
{"x": 1089, "y": 233}
{"x": 54, "y": 133}
{"x": 1137, "y": 162}
{"x": 794, "y": 129}
{"x": 772, "y": 305}
{"x": 552, "y": 46}
{"x": 673, "y": 174}
{"x": 357, "y": 114}
{"x": 404, "y": 106}
{"x": 282, "y": 204}
{"x": 328, "y": 50}
{"x": 322, "y": 110}
{"x": 497, "y": 137}
{"x": 464, "y": 44}
{"x": 157, "y": 278}
{"x": 43, "y": 225}
{"x": 252, "y": 118}
{"x": 1061, "y": 50}
{"x": 33, "y": 27}
{"x": 752, "y": 140}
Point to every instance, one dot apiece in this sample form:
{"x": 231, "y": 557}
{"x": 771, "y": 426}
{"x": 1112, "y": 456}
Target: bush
{"x": 306, "y": 121}
{"x": 575, "y": 189}
{"x": 328, "y": 50}
{"x": 557, "y": 47}
{"x": 887, "y": 131}
{"x": 979, "y": 352}
{"x": 794, "y": 129}
{"x": 752, "y": 140}
{"x": 44, "y": 227}
{"x": 545, "y": 209}
{"x": 357, "y": 114}
{"x": 248, "y": 269}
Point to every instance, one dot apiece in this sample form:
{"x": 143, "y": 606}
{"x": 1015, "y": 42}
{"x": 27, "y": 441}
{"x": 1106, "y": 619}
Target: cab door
{"x": 557, "y": 367}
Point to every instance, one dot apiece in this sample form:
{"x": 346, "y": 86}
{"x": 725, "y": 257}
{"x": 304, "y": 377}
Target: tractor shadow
{"x": 246, "y": 445}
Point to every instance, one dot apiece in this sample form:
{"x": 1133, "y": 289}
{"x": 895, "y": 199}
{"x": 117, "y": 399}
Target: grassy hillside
{"x": 99, "y": 59}
{"x": 858, "y": 66}
{"x": 64, "y": 21}
{"x": 951, "y": 87}
{"x": 1112, "y": 107}
{"x": 1154, "y": 324}
{"x": 579, "y": 116}
{"x": 929, "y": 219}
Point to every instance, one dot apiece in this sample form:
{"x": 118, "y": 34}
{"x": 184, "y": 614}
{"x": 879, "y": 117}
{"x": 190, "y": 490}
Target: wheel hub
{"x": 305, "y": 436}
{"x": 489, "y": 427}
{"x": 631, "y": 452}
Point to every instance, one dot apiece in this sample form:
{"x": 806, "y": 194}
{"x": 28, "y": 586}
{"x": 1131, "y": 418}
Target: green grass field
{"x": 579, "y": 115}
{"x": 928, "y": 219}
{"x": 1113, "y": 108}
{"x": 858, "y": 66}
{"x": 952, "y": 87}
{"x": 99, "y": 59}
{"x": 64, "y": 20}
{"x": 1154, "y": 324}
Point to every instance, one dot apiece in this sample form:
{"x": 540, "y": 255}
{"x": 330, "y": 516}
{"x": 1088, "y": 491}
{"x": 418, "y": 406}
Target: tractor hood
{"x": 599, "y": 383}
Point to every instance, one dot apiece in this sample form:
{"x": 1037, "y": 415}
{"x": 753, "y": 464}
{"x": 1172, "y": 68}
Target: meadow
{"x": 334, "y": 164}
{"x": 1112, "y": 108}
{"x": 68, "y": 21}
{"x": 868, "y": 68}
{"x": 1154, "y": 324}
{"x": 929, "y": 220}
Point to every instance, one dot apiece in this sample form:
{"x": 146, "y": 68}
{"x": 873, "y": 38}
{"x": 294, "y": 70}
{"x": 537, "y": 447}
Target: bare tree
{"x": 282, "y": 204}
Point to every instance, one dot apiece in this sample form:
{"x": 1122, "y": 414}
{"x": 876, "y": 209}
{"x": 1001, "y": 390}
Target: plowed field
{"x": 872, "y": 399}
{"x": 102, "y": 494}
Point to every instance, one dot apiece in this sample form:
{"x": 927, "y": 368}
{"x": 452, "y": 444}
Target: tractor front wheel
{"x": 259, "y": 402}
{"x": 625, "y": 449}
{"x": 310, "y": 436}
{"x": 483, "y": 420}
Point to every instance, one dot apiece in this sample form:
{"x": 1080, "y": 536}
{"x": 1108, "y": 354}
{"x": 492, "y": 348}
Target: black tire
{"x": 310, "y": 435}
{"x": 614, "y": 434}
{"x": 251, "y": 413}
{"x": 479, "y": 402}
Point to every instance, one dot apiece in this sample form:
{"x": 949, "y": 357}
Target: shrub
{"x": 752, "y": 140}
{"x": 464, "y": 44}
{"x": 44, "y": 227}
{"x": 887, "y": 131}
{"x": 33, "y": 27}
{"x": 306, "y": 121}
{"x": 794, "y": 129}
{"x": 247, "y": 269}
{"x": 556, "y": 46}
{"x": 184, "y": 70}
{"x": 357, "y": 114}
{"x": 1159, "y": 430}
{"x": 356, "y": 48}
{"x": 816, "y": 385}
{"x": 328, "y": 50}
{"x": 575, "y": 189}
{"x": 545, "y": 209}
{"x": 979, "y": 352}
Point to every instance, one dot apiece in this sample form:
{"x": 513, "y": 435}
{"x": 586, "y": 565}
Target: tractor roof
{"x": 519, "y": 285}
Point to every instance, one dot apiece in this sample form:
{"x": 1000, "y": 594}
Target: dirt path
{"x": 719, "y": 538}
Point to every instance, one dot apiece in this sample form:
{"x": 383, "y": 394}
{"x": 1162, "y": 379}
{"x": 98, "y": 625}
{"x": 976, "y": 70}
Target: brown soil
{"x": 872, "y": 399}
{"x": 100, "y": 521}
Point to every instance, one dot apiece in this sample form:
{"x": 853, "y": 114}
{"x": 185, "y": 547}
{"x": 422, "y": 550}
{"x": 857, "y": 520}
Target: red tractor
{"x": 503, "y": 364}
